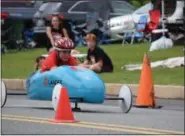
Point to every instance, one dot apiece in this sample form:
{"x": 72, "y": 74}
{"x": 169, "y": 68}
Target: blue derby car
{"x": 83, "y": 85}
{"x": 80, "y": 83}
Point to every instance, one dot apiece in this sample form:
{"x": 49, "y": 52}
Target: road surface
{"x": 23, "y": 116}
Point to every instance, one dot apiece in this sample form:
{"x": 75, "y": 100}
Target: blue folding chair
{"x": 140, "y": 27}
{"x": 138, "y": 33}
{"x": 79, "y": 41}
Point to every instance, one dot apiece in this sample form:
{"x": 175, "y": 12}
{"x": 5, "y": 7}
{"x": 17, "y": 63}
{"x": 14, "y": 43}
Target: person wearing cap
{"x": 61, "y": 55}
{"x": 97, "y": 60}
{"x": 55, "y": 31}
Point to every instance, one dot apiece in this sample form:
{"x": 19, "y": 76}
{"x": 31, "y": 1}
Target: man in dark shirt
{"x": 97, "y": 60}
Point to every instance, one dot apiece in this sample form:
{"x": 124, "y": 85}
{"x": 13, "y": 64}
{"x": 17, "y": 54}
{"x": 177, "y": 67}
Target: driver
{"x": 61, "y": 55}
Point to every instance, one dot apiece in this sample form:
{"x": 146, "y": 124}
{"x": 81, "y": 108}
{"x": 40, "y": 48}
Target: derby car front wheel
{"x": 3, "y": 94}
{"x": 56, "y": 95}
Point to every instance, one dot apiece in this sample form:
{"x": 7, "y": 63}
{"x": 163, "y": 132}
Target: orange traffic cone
{"x": 64, "y": 112}
{"x": 146, "y": 96}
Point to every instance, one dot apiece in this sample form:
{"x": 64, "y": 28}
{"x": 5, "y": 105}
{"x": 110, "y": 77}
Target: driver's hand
{"x": 53, "y": 67}
{"x": 81, "y": 65}
{"x": 85, "y": 66}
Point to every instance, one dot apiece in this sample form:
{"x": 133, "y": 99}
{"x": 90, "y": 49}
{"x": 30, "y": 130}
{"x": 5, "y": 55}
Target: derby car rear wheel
{"x": 3, "y": 94}
{"x": 126, "y": 102}
{"x": 56, "y": 95}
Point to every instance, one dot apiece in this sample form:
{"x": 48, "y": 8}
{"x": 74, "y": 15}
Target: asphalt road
{"x": 23, "y": 116}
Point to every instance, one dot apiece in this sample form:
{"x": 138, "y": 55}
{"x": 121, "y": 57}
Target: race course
{"x": 23, "y": 116}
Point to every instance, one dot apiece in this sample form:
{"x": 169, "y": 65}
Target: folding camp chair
{"x": 129, "y": 32}
{"x": 154, "y": 20}
{"x": 140, "y": 27}
{"x": 78, "y": 38}
{"x": 138, "y": 31}
{"x": 153, "y": 23}
{"x": 104, "y": 29}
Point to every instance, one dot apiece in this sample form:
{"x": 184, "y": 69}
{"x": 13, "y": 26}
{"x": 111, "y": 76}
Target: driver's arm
{"x": 53, "y": 67}
{"x": 49, "y": 63}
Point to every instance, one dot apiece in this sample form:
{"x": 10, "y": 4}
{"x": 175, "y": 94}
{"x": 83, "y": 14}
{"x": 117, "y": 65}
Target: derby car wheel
{"x": 3, "y": 94}
{"x": 126, "y": 102}
{"x": 56, "y": 95}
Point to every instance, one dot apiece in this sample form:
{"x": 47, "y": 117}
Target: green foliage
{"x": 139, "y": 3}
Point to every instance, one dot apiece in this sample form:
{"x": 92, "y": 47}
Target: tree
{"x": 139, "y": 3}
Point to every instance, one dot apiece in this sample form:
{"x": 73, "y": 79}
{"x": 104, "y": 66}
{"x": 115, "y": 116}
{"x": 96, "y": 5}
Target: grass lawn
{"x": 21, "y": 64}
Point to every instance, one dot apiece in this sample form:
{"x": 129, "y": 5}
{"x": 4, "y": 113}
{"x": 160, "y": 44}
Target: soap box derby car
{"x": 83, "y": 85}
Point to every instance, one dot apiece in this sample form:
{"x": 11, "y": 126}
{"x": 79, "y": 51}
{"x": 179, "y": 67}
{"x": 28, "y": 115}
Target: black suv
{"x": 77, "y": 13}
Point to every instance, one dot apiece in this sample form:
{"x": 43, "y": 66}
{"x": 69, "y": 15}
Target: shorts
{"x": 106, "y": 69}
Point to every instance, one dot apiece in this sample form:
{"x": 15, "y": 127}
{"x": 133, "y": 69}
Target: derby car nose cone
{"x": 56, "y": 95}
{"x": 126, "y": 103}
{"x": 3, "y": 94}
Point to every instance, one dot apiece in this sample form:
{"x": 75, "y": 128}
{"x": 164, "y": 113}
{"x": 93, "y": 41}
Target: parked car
{"x": 127, "y": 22}
{"x": 77, "y": 14}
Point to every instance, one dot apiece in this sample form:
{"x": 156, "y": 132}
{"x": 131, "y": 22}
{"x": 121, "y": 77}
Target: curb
{"x": 161, "y": 91}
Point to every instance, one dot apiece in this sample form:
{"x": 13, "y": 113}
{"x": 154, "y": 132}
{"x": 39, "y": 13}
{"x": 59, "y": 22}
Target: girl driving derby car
{"x": 39, "y": 60}
{"x": 61, "y": 55}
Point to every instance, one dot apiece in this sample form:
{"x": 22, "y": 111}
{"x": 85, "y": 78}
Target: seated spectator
{"x": 38, "y": 62}
{"x": 75, "y": 52}
{"x": 97, "y": 60}
{"x": 61, "y": 55}
{"x": 55, "y": 31}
